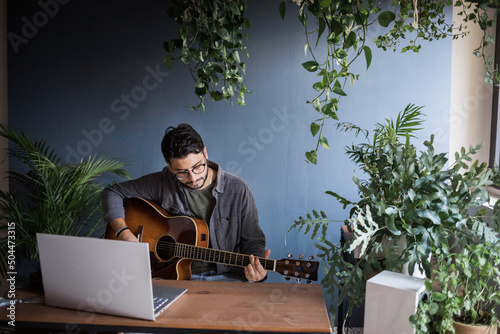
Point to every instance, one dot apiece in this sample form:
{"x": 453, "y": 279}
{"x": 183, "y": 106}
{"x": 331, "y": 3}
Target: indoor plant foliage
{"x": 340, "y": 28}
{"x": 410, "y": 203}
{"x": 211, "y": 36}
{"x": 49, "y": 197}
{"x": 343, "y": 26}
{"x": 465, "y": 289}
{"x": 210, "y": 39}
{"x": 430, "y": 24}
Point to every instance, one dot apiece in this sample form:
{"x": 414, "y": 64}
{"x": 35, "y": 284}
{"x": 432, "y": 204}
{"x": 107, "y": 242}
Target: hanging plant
{"x": 428, "y": 23}
{"x": 210, "y": 40}
{"x": 481, "y": 12}
{"x": 343, "y": 26}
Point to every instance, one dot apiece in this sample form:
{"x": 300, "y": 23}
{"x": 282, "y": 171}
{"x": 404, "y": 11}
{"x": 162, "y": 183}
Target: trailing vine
{"x": 429, "y": 23}
{"x": 210, "y": 39}
{"x": 343, "y": 26}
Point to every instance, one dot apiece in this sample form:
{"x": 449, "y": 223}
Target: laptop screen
{"x": 96, "y": 275}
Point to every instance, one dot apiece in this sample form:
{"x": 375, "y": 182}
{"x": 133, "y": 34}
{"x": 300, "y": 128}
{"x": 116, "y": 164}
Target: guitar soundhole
{"x": 165, "y": 248}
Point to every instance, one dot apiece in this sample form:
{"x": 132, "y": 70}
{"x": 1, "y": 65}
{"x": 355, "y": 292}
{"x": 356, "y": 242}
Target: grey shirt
{"x": 234, "y": 225}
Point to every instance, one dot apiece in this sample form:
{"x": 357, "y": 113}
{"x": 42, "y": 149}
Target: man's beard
{"x": 201, "y": 185}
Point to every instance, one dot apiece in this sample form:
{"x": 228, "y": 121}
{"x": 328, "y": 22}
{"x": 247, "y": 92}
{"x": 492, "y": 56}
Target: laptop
{"x": 101, "y": 276}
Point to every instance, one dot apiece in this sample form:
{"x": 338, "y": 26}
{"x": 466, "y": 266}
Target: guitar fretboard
{"x": 218, "y": 256}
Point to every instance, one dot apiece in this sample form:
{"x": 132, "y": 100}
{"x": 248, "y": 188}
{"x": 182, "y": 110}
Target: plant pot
{"x": 461, "y": 328}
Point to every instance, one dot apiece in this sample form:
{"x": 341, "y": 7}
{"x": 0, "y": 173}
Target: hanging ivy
{"x": 210, "y": 39}
{"x": 212, "y": 32}
{"x": 343, "y": 26}
{"x": 429, "y": 23}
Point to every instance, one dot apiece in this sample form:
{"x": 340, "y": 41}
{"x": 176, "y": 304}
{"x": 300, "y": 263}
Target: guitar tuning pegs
{"x": 289, "y": 255}
{"x": 311, "y": 257}
{"x": 301, "y": 257}
{"x": 298, "y": 280}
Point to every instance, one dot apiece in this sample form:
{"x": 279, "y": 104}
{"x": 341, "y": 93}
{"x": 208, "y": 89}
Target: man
{"x": 191, "y": 185}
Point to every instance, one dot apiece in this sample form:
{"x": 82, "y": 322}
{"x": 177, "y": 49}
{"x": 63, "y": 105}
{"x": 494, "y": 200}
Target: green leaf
{"x": 317, "y": 104}
{"x": 314, "y": 128}
{"x": 321, "y": 29}
{"x": 183, "y": 31}
{"x": 169, "y": 46}
{"x": 312, "y": 156}
{"x": 216, "y": 95}
{"x": 224, "y": 34}
{"x": 433, "y": 308}
{"x": 320, "y": 85}
{"x": 368, "y": 56}
{"x": 168, "y": 61}
{"x": 282, "y": 9}
{"x": 311, "y": 66}
{"x": 324, "y": 142}
{"x": 200, "y": 91}
{"x": 236, "y": 56}
{"x": 339, "y": 91}
{"x": 385, "y": 18}
{"x": 438, "y": 296}
{"x": 433, "y": 216}
{"x": 325, "y": 3}
{"x": 350, "y": 40}
{"x": 340, "y": 54}
{"x": 389, "y": 222}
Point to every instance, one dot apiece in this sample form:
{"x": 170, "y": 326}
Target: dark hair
{"x": 180, "y": 141}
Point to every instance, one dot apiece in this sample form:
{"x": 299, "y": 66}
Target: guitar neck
{"x": 218, "y": 256}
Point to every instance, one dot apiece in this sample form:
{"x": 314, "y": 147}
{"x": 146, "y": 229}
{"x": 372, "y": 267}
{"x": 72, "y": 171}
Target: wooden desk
{"x": 207, "y": 307}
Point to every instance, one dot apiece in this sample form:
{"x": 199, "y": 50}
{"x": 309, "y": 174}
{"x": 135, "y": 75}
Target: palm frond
{"x": 26, "y": 149}
{"x": 406, "y": 124}
{"x": 51, "y": 197}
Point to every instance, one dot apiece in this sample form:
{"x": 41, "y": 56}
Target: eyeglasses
{"x": 195, "y": 170}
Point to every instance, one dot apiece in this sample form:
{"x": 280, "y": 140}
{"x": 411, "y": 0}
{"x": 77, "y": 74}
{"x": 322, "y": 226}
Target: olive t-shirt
{"x": 201, "y": 204}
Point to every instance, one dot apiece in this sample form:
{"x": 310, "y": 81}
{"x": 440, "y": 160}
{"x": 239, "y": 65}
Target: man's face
{"x": 191, "y": 170}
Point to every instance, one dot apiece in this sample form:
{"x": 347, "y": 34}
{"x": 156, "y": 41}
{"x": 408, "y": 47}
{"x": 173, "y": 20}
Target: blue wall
{"x": 72, "y": 70}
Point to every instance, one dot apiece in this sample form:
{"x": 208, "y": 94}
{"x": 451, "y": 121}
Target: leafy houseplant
{"x": 465, "y": 289}
{"x": 410, "y": 204}
{"x": 48, "y": 197}
{"x": 210, "y": 39}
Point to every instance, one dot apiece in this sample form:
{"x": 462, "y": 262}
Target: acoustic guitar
{"x": 175, "y": 241}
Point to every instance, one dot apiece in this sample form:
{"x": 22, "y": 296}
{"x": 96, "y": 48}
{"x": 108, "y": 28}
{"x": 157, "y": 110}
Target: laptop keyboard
{"x": 159, "y": 303}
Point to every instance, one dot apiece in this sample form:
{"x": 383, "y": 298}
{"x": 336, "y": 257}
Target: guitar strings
{"x": 187, "y": 251}
{"x": 173, "y": 249}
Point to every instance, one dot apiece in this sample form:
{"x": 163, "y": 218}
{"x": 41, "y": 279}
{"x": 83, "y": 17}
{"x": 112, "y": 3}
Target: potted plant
{"x": 47, "y": 197}
{"x": 465, "y": 291}
{"x": 410, "y": 203}
{"x": 210, "y": 37}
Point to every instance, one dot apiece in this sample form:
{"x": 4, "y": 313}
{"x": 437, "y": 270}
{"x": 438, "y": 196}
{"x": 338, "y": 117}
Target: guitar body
{"x": 175, "y": 241}
{"x": 155, "y": 226}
